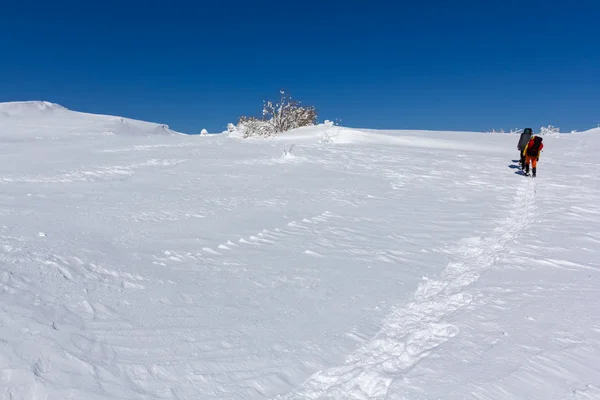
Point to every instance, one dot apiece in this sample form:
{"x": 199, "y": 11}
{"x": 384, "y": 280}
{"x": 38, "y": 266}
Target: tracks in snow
{"x": 413, "y": 331}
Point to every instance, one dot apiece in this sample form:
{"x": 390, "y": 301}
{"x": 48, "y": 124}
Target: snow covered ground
{"x": 137, "y": 263}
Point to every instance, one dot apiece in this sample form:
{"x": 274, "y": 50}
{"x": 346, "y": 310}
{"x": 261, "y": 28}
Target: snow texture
{"x": 324, "y": 263}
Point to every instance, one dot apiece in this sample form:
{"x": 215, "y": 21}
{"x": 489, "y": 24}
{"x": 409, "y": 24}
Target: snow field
{"x": 372, "y": 265}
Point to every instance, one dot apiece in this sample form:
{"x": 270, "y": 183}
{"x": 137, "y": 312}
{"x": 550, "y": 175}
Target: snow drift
{"x": 39, "y": 118}
{"x": 31, "y": 109}
{"x": 326, "y": 133}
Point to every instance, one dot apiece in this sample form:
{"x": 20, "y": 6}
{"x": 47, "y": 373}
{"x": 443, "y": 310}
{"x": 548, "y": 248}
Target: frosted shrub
{"x": 549, "y": 130}
{"x": 283, "y": 116}
{"x": 253, "y": 127}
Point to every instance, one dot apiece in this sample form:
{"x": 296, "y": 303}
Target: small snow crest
{"x": 29, "y": 108}
{"x": 127, "y": 126}
{"x": 23, "y": 115}
{"x": 594, "y": 131}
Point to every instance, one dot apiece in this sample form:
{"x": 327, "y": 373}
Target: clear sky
{"x": 430, "y": 64}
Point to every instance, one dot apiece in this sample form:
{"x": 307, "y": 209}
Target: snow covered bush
{"x": 288, "y": 114}
{"x": 330, "y": 124}
{"x": 204, "y": 132}
{"x": 283, "y": 116}
{"x": 549, "y": 130}
{"x": 253, "y": 127}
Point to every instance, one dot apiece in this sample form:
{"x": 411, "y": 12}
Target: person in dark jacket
{"x": 523, "y": 140}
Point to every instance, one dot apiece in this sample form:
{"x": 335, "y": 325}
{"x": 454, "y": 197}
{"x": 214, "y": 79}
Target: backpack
{"x": 534, "y": 147}
{"x": 524, "y": 138}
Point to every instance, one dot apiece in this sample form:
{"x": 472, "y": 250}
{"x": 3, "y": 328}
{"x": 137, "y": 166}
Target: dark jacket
{"x": 525, "y": 136}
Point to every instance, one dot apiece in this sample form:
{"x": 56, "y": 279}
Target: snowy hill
{"x": 30, "y": 109}
{"x": 34, "y": 118}
{"x": 594, "y": 131}
{"x": 362, "y": 265}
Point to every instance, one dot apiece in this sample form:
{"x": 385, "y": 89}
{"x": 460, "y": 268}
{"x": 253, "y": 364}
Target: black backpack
{"x": 535, "y": 147}
{"x": 524, "y": 138}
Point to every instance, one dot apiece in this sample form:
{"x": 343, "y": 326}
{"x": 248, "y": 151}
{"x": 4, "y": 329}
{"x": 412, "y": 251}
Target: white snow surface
{"x": 40, "y": 119}
{"x": 361, "y": 265}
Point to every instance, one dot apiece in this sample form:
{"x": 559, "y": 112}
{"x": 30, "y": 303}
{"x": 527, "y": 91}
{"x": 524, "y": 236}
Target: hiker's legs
{"x": 522, "y": 160}
{"x": 533, "y": 161}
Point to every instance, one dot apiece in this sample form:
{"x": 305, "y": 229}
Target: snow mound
{"x": 30, "y": 108}
{"x": 325, "y": 133}
{"x": 121, "y": 126}
{"x": 593, "y": 131}
{"x": 43, "y": 119}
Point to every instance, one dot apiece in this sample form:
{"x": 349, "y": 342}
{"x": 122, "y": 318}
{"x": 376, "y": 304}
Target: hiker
{"x": 523, "y": 140}
{"x": 531, "y": 152}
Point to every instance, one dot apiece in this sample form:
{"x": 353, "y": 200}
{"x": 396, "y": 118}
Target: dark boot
{"x": 527, "y": 168}
{"x": 533, "y": 170}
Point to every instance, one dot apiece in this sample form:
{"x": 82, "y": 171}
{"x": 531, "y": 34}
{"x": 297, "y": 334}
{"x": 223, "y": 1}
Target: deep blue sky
{"x": 429, "y": 64}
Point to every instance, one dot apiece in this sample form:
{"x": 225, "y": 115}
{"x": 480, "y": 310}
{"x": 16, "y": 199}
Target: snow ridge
{"x": 28, "y": 108}
{"x": 33, "y": 119}
{"x": 413, "y": 331}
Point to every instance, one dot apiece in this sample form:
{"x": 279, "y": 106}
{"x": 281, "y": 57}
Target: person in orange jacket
{"x": 532, "y": 154}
